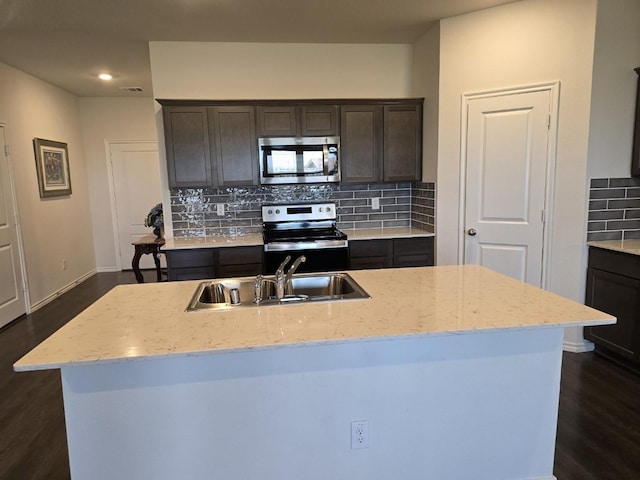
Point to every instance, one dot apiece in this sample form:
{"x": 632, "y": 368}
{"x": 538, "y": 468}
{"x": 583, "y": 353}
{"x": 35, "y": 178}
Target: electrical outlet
{"x": 220, "y": 209}
{"x": 375, "y": 203}
{"x": 360, "y": 434}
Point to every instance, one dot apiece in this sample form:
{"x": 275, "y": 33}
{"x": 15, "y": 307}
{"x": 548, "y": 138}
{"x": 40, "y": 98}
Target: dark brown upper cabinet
{"x": 381, "y": 142}
{"x": 214, "y": 142}
{"x": 210, "y": 146}
{"x": 187, "y": 144}
{"x": 402, "y": 143}
{"x": 295, "y": 121}
{"x": 361, "y": 143}
{"x": 233, "y": 132}
{"x": 635, "y": 156}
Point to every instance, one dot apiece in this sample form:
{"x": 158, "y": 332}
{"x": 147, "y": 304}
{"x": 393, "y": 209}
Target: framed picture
{"x": 52, "y": 165}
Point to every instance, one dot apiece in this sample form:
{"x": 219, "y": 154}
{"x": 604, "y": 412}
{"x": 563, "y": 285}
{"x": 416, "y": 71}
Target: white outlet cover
{"x": 360, "y": 434}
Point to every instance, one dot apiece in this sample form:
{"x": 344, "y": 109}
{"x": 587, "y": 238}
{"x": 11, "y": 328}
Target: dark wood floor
{"x": 598, "y": 426}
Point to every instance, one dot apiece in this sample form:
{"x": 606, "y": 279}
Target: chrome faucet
{"x": 282, "y": 281}
{"x": 293, "y": 268}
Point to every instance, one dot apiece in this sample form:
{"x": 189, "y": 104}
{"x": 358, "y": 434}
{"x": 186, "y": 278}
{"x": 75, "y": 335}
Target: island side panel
{"x": 480, "y": 405}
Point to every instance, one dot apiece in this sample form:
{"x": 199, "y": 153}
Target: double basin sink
{"x": 243, "y": 292}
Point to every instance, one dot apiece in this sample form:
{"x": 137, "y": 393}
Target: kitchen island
{"x": 455, "y": 369}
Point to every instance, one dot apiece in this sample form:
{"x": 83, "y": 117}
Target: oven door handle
{"x": 295, "y": 246}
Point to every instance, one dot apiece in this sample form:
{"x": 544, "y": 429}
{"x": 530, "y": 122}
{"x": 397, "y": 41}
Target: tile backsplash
{"x": 614, "y": 209}
{"x": 194, "y": 211}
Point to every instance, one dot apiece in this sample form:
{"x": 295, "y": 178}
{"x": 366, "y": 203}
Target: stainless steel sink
{"x": 309, "y": 287}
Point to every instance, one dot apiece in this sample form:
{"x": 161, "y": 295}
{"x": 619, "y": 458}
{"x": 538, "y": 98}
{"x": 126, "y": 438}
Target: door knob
{"x": 472, "y": 232}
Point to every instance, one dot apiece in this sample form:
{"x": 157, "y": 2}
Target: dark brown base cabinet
{"x": 202, "y": 263}
{"x": 613, "y": 286}
{"x": 225, "y": 262}
{"x": 391, "y": 253}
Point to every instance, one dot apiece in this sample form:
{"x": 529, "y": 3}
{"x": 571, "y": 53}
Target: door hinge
{"x": 6, "y": 150}
{"x": 549, "y": 122}
{"x": 542, "y": 216}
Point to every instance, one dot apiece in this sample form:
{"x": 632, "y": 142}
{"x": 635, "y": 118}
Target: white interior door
{"x": 12, "y": 295}
{"x": 136, "y": 184}
{"x": 506, "y": 156}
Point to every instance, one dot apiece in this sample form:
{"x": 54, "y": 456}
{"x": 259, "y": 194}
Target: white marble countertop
{"x": 626, "y": 246}
{"x": 148, "y": 320}
{"x": 213, "y": 242}
{"x": 379, "y": 233}
{"x": 256, "y": 238}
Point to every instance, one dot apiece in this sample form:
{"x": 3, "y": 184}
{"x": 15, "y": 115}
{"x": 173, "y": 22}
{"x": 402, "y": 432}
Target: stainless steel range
{"x": 307, "y": 229}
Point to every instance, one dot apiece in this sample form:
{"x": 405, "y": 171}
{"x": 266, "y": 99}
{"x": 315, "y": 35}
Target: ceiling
{"x": 69, "y": 42}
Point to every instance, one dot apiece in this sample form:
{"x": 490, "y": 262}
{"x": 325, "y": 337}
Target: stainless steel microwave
{"x": 299, "y": 160}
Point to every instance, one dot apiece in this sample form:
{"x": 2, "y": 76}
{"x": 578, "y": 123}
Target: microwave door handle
{"x": 325, "y": 160}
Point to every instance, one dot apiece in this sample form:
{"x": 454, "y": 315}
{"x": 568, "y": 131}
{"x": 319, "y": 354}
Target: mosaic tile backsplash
{"x": 614, "y": 209}
{"x": 194, "y": 210}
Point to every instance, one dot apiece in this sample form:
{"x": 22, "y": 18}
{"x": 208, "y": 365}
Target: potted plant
{"x": 155, "y": 219}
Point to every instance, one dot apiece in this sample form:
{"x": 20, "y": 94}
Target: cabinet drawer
{"x": 244, "y": 270}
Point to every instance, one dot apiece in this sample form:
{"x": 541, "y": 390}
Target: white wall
{"x": 191, "y": 70}
{"x": 55, "y": 228}
{"x": 522, "y": 43}
{"x": 105, "y": 119}
{"x": 613, "y": 99}
{"x": 426, "y": 74}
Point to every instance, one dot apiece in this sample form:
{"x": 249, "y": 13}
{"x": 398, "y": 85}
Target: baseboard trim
{"x": 107, "y": 269}
{"x": 578, "y": 347}
{"x": 64, "y": 289}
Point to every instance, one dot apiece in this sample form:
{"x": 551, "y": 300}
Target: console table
{"x": 149, "y": 244}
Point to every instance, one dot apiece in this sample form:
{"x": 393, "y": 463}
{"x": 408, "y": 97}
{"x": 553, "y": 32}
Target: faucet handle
{"x": 283, "y": 264}
{"x": 258, "y": 289}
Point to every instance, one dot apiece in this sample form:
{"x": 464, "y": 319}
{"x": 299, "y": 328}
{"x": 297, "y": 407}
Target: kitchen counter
{"x": 441, "y": 364}
{"x": 625, "y": 246}
{"x": 213, "y": 241}
{"x": 378, "y": 233}
{"x": 135, "y": 322}
{"x": 256, "y": 238}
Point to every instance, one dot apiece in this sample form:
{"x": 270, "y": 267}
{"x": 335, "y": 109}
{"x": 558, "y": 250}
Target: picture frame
{"x": 52, "y": 165}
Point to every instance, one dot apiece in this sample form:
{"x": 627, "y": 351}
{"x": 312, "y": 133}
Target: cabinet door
{"x": 277, "y": 121}
{"x": 413, "y": 252}
{"x": 239, "y": 261}
{"x": 367, "y": 254}
{"x": 235, "y": 145}
{"x": 319, "y": 120}
{"x": 361, "y": 143}
{"x": 616, "y": 295}
{"x": 193, "y": 264}
{"x": 402, "y": 143}
{"x": 187, "y": 145}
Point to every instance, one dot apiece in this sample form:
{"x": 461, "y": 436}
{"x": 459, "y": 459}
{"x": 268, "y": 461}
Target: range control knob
{"x": 277, "y": 211}
{"x": 320, "y": 209}
{"x": 328, "y": 209}
{"x": 270, "y": 212}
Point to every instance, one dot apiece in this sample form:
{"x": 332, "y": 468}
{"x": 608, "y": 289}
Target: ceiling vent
{"x": 132, "y": 89}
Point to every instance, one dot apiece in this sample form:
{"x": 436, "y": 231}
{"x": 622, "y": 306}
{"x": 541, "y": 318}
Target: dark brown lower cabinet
{"x": 202, "y": 263}
{"x": 389, "y": 253}
{"x": 613, "y": 286}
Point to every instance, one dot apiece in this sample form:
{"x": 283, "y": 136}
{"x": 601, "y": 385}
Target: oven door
{"x": 318, "y": 259}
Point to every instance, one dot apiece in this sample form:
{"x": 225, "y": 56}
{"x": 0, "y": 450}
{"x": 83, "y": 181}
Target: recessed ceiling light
{"x": 105, "y": 76}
